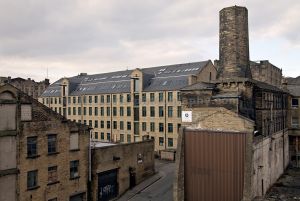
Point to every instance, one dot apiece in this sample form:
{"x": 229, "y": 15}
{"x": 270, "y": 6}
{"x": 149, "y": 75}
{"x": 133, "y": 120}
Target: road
{"x": 161, "y": 190}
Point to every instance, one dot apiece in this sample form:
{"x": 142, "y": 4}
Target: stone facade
{"x": 37, "y": 149}
{"x": 132, "y": 162}
{"x": 293, "y": 85}
{"x": 29, "y": 86}
{"x": 129, "y": 117}
{"x": 266, "y": 72}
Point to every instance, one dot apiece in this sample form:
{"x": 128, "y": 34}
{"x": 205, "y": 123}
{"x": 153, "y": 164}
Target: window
{"x": 170, "y": 142}
{"x": 121, "y": 125}
{"x": 144, "y": 126}
{"x": 79, "y": 99}
{"x": 90, "y": 111}
{"x": 161, "y": 96}
{"x": 96, "y": 99}
{"x": 31, "y": 146}
{"x": 295, "y": 122}
{"x": 144, "y": 97}
{"x": 144, "y": 111}
{"x": 128, "y": 138}
{"x": 74, "y": 100}
{"x": 69, "y": 110}
{"x": 102, "y": 98}
{"x": 96, "y": 124}
{"x": 121, "y": 137}
{"x": 114, "y": 111}
{"x": 152, "y": 97}
{"x": 96, "y": 111}
{"x": 161, "y": 141}
{"x": 108, "y": 137}
{"x": 128, "y": 125}
{"x": 178, "y": 96}
{"x": 96, "y": 135}
{"x": 114, "y": 98}
{"x": 74, "y": 141}
{"x": 161, "y": 111}
{"x": 107, "y": 124}
{"x": 107, "y": 111}
{"x": 102, "y": 124}
{"x": 74, "y": 169}
{"x": 128, "y": 111}
{"x": 102, "y": 111}
{"x": 179, "y": 111}
{"x": 152, "y": 111}
{"x": 170, "y": 128}
{"x": 170, "y": 111}
{"x": 90, "y": 123}
{"x": 79, "y": 111}
{"x": 90, "y": 99}
{"x": 295, "y": 102}
{"x": 52, "y": 144}
{"x": 161, "y": 127}
{"x": 115, "y": 125}
{"x": 84, "y": 110}
{"x": 52, "y": 174}
{"x": 152, "y": 126}
{"x": 178, "y": 127}
{"x": 84, "y": 122}
{"x": 136, "y": 84}
{"x": 84, "y": 99}
{"x": 108, "y": 98}
{"x": 128, "y": 98}
{"x": 170, "y": 96}
{"x": 121, "y": 111}
{"x": 32, "y": 179}
{"x": 121, "y": 98}
{"x": 102, "y": 136}
{"x": 74, "y": 110}
{"x": 69, "y": 100}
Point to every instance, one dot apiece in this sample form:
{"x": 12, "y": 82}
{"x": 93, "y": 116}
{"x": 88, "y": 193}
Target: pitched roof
{"x": 170, "y": 77}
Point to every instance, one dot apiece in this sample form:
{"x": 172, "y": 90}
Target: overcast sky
{"x": 95, "y": 36}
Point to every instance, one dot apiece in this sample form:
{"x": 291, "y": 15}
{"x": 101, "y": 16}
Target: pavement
{"x": 157, "y": 187}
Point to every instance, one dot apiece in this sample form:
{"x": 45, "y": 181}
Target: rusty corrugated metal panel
{"x": 214, "y": 165}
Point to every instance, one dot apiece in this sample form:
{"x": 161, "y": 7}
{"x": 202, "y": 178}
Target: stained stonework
{"x": 234, "y": 43}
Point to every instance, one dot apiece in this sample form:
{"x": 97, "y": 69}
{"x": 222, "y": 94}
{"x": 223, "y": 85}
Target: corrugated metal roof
{"x": 170, "y": 77}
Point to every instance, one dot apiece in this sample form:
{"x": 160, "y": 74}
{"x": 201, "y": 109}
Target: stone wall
{"x": 270, "y": 158}
{"x": 123, "y": 157}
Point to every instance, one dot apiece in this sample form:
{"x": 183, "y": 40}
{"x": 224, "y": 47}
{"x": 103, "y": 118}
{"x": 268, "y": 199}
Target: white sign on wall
{"x": 186, "y": 116}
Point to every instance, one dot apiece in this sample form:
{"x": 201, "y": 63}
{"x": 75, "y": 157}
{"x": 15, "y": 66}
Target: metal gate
{"x": 214, "y": 165}
{"x": 107, "y": 185}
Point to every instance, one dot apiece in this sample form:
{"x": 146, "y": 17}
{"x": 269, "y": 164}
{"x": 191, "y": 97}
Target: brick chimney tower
{"x": 234, "y": 43}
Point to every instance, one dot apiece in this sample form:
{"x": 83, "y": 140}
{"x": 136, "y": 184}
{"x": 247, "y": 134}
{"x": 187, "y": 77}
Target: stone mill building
{"x": 236, "y": 141}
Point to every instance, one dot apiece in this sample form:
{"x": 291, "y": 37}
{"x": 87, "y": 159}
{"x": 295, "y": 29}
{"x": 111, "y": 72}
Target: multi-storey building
{"x": 29, "y": 86}
{"x": 293, "y": 85}
{"x": 127, "y": 106}
{"x": 43, "y": 156}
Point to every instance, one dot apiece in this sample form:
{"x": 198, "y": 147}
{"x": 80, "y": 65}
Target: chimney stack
{"x": 234, "y": 43}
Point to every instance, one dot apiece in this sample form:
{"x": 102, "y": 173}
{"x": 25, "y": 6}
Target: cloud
{"x": 95, "y": 36}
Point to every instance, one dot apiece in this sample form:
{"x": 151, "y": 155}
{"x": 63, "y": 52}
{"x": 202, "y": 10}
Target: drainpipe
{"x": 90, "y": 167}
{"x": 165, "y": 110}
{"x": 283, "y": 146}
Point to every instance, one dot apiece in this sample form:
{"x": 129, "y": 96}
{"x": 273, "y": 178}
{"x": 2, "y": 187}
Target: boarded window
{"x": 8, "y": 152}
{"x": 74, "y": 143}
{"x": 7, "y": 117}
{"x": 26, "y": 113}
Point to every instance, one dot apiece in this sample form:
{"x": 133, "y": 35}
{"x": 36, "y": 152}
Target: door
{"x": 107, "y": 185}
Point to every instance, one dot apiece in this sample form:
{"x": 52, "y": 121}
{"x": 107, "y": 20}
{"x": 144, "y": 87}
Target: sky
{"x": 56, "y": 38}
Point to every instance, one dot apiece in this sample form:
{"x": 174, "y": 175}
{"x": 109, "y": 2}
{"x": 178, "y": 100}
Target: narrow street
{"x": 162, "y": 189}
